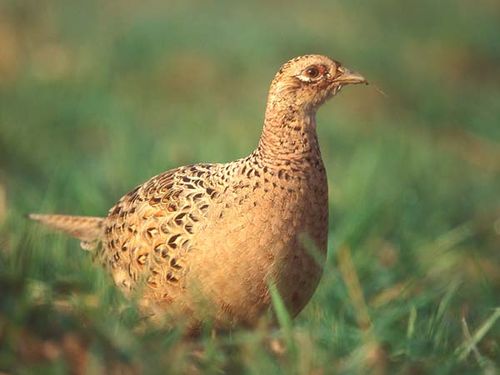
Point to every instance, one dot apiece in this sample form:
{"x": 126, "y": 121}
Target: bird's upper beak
{"x": 347, "y": 77}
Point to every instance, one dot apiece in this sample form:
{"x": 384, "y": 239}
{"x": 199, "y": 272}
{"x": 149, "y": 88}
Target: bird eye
{"x": 312, "y": 72}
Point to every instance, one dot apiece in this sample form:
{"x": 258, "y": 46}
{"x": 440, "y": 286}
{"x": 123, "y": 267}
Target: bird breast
{"x": 263, "y": 229}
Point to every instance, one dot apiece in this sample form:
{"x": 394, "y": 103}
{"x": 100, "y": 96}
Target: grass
{"x": 97, "y": 96}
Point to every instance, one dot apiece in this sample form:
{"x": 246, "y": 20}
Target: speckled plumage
{"x": 203, "y": 242}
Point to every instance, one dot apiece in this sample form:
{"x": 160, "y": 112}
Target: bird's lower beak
{"x": 347, "y": 77}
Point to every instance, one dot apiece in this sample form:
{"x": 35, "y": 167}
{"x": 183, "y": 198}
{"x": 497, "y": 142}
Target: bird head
{"x": 306, "y": 82}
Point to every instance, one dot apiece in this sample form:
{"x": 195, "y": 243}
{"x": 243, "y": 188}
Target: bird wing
{"x": 149, "y": 231}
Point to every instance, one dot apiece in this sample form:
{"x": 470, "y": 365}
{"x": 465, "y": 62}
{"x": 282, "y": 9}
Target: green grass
{"x": 97, "y": 96}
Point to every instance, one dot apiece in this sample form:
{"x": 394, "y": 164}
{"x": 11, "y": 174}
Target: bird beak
{"x": 347, "y": 77}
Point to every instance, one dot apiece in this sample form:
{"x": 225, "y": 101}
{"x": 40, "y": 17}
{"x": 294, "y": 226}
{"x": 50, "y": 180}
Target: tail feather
{"x": 88, "y": 229}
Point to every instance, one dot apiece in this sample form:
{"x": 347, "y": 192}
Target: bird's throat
{"x": 289, "y": 135}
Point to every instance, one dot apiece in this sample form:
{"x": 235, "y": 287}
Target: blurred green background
{"x": 98, "y": 96}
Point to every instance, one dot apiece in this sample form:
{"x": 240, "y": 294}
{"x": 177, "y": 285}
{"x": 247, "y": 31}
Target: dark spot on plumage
{"x": 141, "y": 259}
{"x": 173, "y": 238}
{"x": 171, "y": 277}
{"x": 133, "y": 192}
{"x": 197, "y": 197}
{"x": 154, "y": 201}
{"x": 152, "y": 282}
{"x": 154, "y": 271}
{"x": 151, "y": 232}
{"x": 178, "y": 218}
{"x": 185, "y": 244}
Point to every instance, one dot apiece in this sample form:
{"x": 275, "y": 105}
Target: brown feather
{"x": 85, "y": 228}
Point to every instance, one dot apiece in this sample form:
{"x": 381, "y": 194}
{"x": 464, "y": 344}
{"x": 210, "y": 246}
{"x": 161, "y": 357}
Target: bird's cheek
{"x": 326, "y": 83}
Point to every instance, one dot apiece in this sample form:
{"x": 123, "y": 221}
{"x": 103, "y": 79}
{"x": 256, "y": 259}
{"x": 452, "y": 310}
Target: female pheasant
{"x": 204, "y": 242}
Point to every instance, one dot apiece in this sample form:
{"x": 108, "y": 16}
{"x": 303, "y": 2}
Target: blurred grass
{"x": 97, "y": 96}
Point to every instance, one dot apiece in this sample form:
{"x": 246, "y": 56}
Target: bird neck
{"x": 289, "y": 135}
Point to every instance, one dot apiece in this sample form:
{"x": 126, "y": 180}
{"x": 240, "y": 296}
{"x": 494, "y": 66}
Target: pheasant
{"x": 205, "y": 242}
